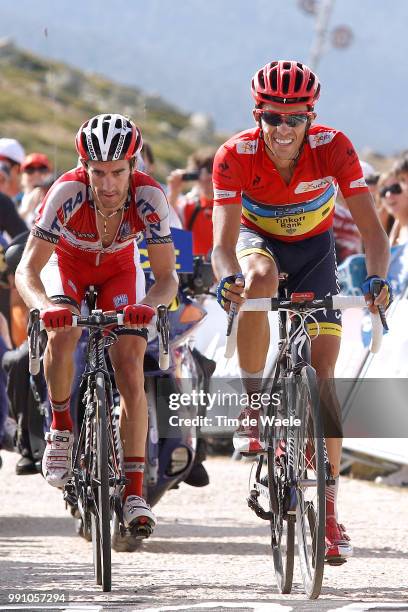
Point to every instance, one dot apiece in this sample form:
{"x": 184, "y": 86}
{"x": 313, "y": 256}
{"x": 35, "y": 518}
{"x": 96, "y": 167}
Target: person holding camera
{"x": 195, "y": 208}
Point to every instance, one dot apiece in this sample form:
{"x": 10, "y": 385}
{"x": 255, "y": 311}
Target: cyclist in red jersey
{"x": 85, "y": 234}
{"x": 274, "y": 191}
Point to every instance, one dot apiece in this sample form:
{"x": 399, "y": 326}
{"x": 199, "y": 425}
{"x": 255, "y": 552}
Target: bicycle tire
{"x": 310, "y": 467}
{"x": 282, "y": 533}
{"x": 102, "y": 516}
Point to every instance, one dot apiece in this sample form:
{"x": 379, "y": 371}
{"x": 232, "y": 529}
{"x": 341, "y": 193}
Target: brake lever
{"x": 381, "y": 310}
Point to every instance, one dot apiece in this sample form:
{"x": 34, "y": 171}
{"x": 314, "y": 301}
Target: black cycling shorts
{"x": 310, "y": 264}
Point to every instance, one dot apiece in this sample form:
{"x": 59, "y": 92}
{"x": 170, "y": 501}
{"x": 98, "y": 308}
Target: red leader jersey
{"x": 244, "y": 174}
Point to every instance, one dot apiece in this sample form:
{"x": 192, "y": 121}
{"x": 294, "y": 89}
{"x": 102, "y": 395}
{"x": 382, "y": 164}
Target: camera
{"x": 189, "y": 176}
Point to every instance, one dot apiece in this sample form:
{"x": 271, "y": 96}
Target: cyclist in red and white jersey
{"x": 275, "y": 187}
{"x": 85, "y": 234}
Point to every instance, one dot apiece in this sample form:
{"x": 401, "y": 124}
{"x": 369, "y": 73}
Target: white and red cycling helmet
{"x": 285, "y": 82}
{"x": 108, "y": 138}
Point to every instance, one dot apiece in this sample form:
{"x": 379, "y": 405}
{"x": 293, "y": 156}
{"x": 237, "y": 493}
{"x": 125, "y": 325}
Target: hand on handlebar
{"x": 230, "y": 290}
{"x": 137, "y": 316}
{"x": 56, "y": 318}
{"x": 377, "y": 292}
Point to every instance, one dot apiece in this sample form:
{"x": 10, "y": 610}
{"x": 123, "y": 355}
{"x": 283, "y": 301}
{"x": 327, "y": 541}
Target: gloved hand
{"x": 138, "y": 314}
{"x": 368, "y": 290}
{"x": 226, "y": 284}
{"x": 56, "y": 317}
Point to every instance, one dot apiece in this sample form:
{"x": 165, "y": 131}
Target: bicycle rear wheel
{"x": 102, "y": 515}
{"x": 309, "y": 474}
{"x": 282, "y": 527}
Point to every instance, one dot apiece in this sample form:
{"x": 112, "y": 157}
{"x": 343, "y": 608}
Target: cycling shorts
{"x": 310, "y": 265}
{"x": 119, "y": 280}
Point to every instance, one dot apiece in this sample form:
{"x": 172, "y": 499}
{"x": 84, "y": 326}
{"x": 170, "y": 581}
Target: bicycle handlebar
{"x": 96, "y": 319}
{"x": 334, "y": 302}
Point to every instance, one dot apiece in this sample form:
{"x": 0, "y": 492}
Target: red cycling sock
{"x": 61, "y": 416}
{"x": 134, "y": 468}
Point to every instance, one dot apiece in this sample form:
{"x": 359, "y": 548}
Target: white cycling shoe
{"x": 137, "y": 514}
{"x": 56, "y": 461}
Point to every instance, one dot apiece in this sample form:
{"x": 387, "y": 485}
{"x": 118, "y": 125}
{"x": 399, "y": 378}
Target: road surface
{"x": 209, "y": 551}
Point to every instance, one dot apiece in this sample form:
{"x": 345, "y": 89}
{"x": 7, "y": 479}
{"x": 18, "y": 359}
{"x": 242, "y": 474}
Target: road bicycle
{"x": 288, "y": 480}
{"x": 97, "y": 485}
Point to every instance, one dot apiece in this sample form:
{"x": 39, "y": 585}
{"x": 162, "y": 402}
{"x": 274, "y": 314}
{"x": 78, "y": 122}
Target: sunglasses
{"x": 276, "y": 119}
{"x": 395, "y": 188}
{"x": 32, "y": 169}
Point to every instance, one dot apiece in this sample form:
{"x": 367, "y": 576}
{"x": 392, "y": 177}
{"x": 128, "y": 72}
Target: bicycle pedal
{"x": 335, "y": 561}
{"x": 142, "y": 531}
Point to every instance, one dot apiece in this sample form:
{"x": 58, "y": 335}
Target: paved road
{"x": 209, "y": 551}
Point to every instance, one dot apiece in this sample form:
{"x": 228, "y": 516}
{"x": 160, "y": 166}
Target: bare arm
{"x": 226, "y": 224}
{"x": 27, "y": 277}
{"x": 163, "y": 264}
{"x": 375, "y": 240}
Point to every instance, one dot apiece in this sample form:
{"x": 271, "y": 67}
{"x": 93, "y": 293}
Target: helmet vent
{"x": 286, "y": 65}
{"x": 298, "y": 80}
{"x": 274, "y": 80}
{"x": 285, "y": 83}
{"x": 311, "y": 82}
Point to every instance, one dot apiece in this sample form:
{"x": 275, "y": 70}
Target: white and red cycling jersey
{"x": 67, "y": 218}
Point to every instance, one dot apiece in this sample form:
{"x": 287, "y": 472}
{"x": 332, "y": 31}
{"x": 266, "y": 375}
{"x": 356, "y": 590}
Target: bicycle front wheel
{"x": 310, "y": 478}
{"x": 101, "y": 516}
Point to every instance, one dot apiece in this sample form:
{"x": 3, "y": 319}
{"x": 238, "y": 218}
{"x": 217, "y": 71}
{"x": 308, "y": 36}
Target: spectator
{"x": 195, "y": 208}
{"x": 5, "y": 344}
{"x": 4, "y": 176}
{"x": 387, "y": 185}
{"x": 11, "y": 225}
{"x": 393, "y": 212}
{"x": 147, "y": 164}
{"x": 36, "y": 170}
{"x": 13, "y": 153}
{"x": 148, "y": 158}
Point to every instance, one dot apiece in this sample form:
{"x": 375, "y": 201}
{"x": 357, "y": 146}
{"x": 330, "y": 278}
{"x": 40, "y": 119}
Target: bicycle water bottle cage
{"x": 302, "y": 297}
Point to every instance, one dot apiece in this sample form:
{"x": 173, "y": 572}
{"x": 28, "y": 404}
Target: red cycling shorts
{"x": 119, "y": 278}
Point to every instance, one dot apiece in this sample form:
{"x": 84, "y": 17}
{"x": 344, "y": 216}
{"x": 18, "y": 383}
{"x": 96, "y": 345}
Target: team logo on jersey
{"x": 358, "y": 183}
{"x": 222, "y": 194}
{"x": 153, "y": 218}
{"x": 322, "y": 138}
{"x": 247, "y": 147}
{"x": 120, "y": 300}
{"x": 313, "y": 185}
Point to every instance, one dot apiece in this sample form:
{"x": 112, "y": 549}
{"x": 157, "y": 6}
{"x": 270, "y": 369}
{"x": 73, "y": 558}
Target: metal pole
{"x": 322, "y": 25}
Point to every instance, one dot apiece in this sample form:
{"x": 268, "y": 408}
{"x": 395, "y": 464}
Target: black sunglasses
{"x": 32, "y": 169}
{"x": 276, "y": 119}
{"x": 395, "y": 188}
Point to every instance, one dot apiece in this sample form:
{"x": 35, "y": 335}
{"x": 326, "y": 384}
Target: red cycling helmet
{"x": 285, "y": 82}
{"x": 108, "y": 138}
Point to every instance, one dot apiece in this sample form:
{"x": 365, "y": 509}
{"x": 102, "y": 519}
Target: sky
{"x": 201, "y": 55}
